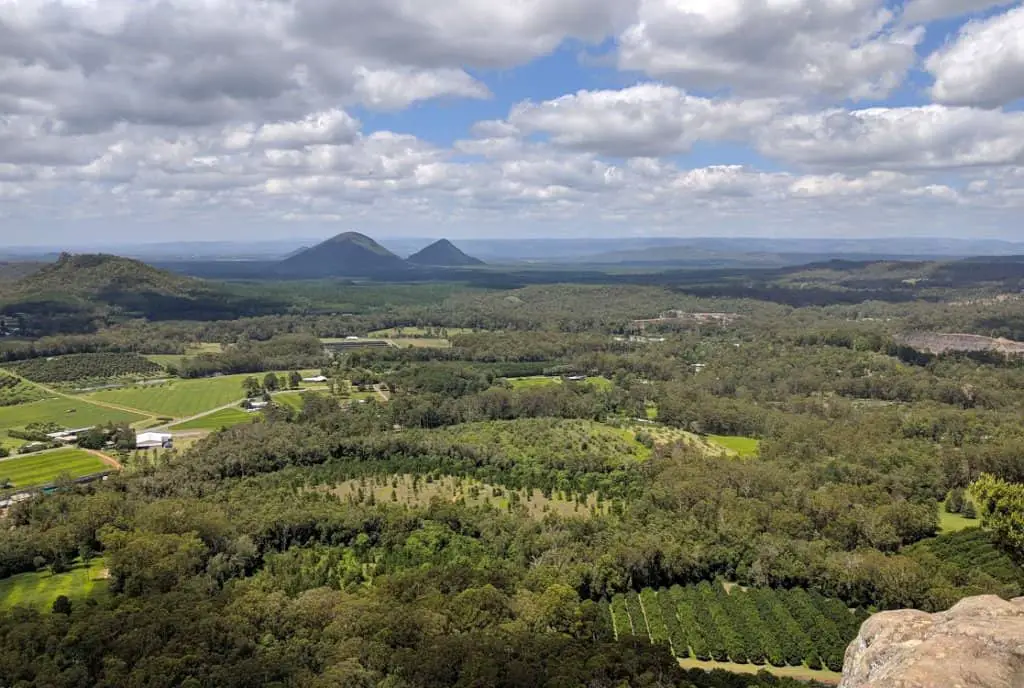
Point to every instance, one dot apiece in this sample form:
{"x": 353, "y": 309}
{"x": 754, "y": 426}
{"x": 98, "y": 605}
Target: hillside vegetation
{"x": 81, "y": 292}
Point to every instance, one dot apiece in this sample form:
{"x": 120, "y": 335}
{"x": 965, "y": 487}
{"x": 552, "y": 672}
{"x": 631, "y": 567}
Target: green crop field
{"x": 225, "y": 418}
{"x": 39, "y": 589}
{"x": 742, "y": 446}
{"x": 68, "y": 413}
{"x": 41, "y": 469}
{"x": 179, "y": 398}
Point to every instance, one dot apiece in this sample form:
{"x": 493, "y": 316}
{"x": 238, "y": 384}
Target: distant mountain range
{"x": 356, "y": 255}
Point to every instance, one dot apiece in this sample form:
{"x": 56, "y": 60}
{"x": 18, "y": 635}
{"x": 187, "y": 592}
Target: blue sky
{"x": 147, "y": 120}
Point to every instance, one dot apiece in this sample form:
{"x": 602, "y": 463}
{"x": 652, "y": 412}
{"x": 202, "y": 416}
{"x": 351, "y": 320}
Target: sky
{"x": 164, "y": 120}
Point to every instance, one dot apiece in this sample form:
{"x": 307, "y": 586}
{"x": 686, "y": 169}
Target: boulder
{"x": 979, "y": 643}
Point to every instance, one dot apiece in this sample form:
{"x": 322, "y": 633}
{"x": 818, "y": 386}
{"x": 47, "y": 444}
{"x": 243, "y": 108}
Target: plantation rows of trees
{"x": 78, "y": 367}
{"x": 758, "y": 626}
{"x": 973, "y": 549}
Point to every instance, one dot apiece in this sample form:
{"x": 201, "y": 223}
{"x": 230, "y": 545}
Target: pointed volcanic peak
{"x": 443, "y": 253}
{"x": 347, "y": 255}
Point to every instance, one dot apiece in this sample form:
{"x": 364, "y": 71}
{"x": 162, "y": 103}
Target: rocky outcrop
{"x": 979, "y": 643}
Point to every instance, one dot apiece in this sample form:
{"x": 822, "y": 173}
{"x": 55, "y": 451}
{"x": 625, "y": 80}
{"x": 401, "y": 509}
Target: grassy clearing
{"x": 41, "y": 469}
{"x": 193, "y": 350}
{"x": 664, "y": 435}
{"x": 225, "y": 418}
{"x": 180, "y": 398}
{"x": 38, "y": 590}
{"x": 533, "y": 381}
{"x": 68, "y": 413}
{"x": 744, "y": 447}
{"x": 954, "y": 523}
{"x": 416, "y": 491}
{"x": 409, "y": 332}
{"x": 420, "y": 342}
{"x": 798, "y": 673}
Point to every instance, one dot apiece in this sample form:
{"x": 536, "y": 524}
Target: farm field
{"x": 179, "y": 398}
{"x": 800, "y": 673}
{"x": 415, "y": 332}
{"x": 744, "y": 447}
{"x": 420, "y": 342}
{"x": 415, "y": 490}
{"x": 533, "y": 381}
{"x": 40, "y": 469}
{"x": 543, "y": 380}
{"x": 756, "y": 626}
{"x": 68, "y": 413}
{"x": 225, "y": 418}
{"x": 38, "y": 590}
{"x": 665, "y": 435}
{"x": 165, "y": 360}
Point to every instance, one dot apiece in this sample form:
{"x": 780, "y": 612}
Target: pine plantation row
{"x": 758, "y": 626}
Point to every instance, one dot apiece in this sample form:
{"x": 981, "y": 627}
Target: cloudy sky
{"x": 156, "y": 120}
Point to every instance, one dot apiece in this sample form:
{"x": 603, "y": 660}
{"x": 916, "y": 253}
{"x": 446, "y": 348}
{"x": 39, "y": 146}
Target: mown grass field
{"x": 225, "y": 418}
{"x": 40, "y": 469}
{"x": 68, "y": 413}
{"x": 533, "y": 381}
{"x": 400, "y": 332}
{"x": 798, "y": 673}
{"x": 179, "y": 398}
{"x": 416, "y": 491}
{"x": 744, "y": 447}
{"x": 420, "y": 342}
{"x": 38, "y": 590}
{"x": 954, "y": 523}
{"x": 174, "y": 359}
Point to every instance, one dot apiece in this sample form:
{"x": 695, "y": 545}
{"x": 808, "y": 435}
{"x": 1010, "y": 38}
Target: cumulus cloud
{"x": 242, "y": 112}
{"x": 643, "y": 120}
{"x": 927, "y": 137}
{"x": 840, "y": 48}
{"x": 917, "y": 11}
{"x": 984, "y": 65}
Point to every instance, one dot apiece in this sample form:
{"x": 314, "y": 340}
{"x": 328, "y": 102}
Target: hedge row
{"x": 778, "y": 627}
{"x": 972, "y": 549}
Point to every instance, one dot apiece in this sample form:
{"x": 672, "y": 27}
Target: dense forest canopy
{"x": 557, "y": 484}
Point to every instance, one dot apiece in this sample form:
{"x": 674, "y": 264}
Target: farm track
{"x": 109, "y": 460}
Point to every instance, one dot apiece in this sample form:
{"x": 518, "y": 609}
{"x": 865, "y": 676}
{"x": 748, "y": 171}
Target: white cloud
{"x": 836, "y": 48}
{"x": 928, "y": 137}
{"x": 985, "y": 64}
{"x": 333, "y": 126}
{"x": 643, "y": 120}
{"x": 395, "y": 89}
{"x": 918, "y": 11}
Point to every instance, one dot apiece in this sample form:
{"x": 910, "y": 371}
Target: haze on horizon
{"x": 144, "y": 121}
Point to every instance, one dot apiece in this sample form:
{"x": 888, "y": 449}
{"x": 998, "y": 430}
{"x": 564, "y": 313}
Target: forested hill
{"x": 79, "y": 292}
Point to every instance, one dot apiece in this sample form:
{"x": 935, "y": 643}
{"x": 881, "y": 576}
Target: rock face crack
{"x": 979, "y": 643}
